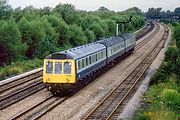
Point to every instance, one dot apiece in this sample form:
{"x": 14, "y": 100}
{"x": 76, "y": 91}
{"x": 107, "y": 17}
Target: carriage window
{"x": 104, "y": 52}
{"x": 58, "y": 68}
{"x": 49, "y": 67}
{"x": 96, "y": 57}
{"x": 93, "y": 58}
{"x": 101, "y": 54}
{"x": 83, "y": 65}
{"x": 89, "y": 59}
{"x": 67, "y": 68}
{"x": 79, "y": 65}
{"x": 86, "y": 61}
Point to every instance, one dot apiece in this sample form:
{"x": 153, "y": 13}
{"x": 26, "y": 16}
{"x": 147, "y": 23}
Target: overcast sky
{"x": 91, "y": 5}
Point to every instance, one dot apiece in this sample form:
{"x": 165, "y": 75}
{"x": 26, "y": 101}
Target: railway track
{"x": 38, "y": 110}
{"x": 21, "y": 93}
{"x": 111, "y": 106}
{"x": 140, "y": 34}
{"x": 147, "y": 39}
{"x": 19, "y": 81}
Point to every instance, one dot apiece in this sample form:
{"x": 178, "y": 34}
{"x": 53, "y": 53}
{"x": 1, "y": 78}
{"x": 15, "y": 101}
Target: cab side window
{"x": 79, "y": 64}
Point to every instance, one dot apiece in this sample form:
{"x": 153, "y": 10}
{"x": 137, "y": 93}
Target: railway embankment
{"x": 162, "y": 99}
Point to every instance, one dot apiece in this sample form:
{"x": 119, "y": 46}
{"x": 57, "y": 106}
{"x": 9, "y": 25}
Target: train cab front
{"x": 59, "y": 75}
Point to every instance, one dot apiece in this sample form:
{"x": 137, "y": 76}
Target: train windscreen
{"x": 58, "y": 68}
{"x": 49, "y": 67}
{"x": 67, "y": 68}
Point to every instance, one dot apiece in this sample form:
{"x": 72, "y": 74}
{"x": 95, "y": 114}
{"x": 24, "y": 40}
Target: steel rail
{"x": 20, "y": 81}
{"x": 14, "y": 97}
{"x": 31, "y": 108}
{"x": 146, "y": 40}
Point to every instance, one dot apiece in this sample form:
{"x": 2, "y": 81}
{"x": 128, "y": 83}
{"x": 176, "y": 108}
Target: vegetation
{"x": 162, "y": 100}
{"x": 19, "y": 67}
{"x": 165, "y": 16}
{"x": 29, "y": 33}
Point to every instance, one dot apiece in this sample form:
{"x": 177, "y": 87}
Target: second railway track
{"x": 15, "y": 96}
{"x": 38, "y": 110}
{"x": 19, "y": 81}
{"x": 111, "y": 106}
{"x": 148, "y": 38}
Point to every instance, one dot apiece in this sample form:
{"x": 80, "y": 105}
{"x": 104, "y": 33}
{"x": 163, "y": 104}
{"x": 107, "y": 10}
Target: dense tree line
{"x": 31, "y": 32}
{"x": 157, "y": 13}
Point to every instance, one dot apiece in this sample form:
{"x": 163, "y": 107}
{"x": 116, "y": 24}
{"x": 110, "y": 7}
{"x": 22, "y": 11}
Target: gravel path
{"x": 136, "y": 100}
{"x": 80, "y": 104}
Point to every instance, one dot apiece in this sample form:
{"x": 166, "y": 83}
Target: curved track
{"x": 111, "y": 106}
{"x": 148, "y": 38}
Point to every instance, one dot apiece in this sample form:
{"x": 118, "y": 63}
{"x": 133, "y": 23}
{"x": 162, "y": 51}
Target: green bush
{"x": 161, "y": 102}
{"x": 19, "y": 67}
{"x": 171, "y": 99}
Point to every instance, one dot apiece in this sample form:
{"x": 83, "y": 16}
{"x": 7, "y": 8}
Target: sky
{"x": 92, "y": 5}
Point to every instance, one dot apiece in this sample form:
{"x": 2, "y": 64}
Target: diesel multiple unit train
{"x": 64, "y": 70}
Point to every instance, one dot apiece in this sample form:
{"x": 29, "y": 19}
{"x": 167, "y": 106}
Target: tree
{"x": 171, "y": 55}
{"x": 49, "y": 43}
{"x": 177, "y": 10}
{"x": 153, "y": 13}
{"x": 5, "y": 10}
{"x": 89, "y": 20}
{"x": 177, "y": 36}
{"x": 68, "y": 13}
{"x": 102, "y": 8}
{"x": 33, "y": 33}
{"x": 97, "y": 29}
{"x": 135, "y": 9}
{"x": 90, "y": 35}
{"x": 45, "y": 11}
{"x": 11, "y": 46}
{"x": 61, "y": 28}
{"x": 77, "y": 36}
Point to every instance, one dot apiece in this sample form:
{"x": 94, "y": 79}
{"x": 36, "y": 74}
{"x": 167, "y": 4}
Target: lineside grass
{"x": 19, "y": 67}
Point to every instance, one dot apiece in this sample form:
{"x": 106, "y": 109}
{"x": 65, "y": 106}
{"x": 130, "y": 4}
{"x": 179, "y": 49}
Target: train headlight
{"x": 49, "y": 88}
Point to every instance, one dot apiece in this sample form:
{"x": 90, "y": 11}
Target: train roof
{"x": 127, "y": 35}
{"x": 111, "y": 41}
{"x": 77, "y": 52}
